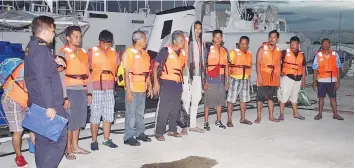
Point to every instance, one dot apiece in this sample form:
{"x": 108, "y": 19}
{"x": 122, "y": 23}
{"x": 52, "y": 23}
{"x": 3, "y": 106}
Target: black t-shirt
{"x": 294, "y": 77}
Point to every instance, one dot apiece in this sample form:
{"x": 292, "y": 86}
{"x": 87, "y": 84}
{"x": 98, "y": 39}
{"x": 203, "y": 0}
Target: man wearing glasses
{"x": 103, "y": 62}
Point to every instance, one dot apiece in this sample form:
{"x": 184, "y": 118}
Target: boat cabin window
{"x": 166, "y": 28}
{"x": 282, "y": 26}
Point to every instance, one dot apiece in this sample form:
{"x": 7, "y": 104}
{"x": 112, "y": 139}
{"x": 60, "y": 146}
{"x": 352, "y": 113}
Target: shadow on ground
{"x": 189, "y": 162}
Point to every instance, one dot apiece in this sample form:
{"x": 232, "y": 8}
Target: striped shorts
{"x": 103, "y": 104}
{"x": 238, "y": 88}
{"x": 14, "y": 112}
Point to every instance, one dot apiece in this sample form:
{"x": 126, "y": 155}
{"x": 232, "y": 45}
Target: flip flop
{"x": 281, "y": 118}
{"x": 300, "y": 117}
{"x": 70, "y": 156}
{"x": 247, "y": 122}
{"x": 160, "y": 137}
{"x": 81, "y": 151}
{"x": 229, "y": 124}
{"x": 257, "y": 121}
{"x": 174, "y": 134}
{"x": 183, "y": 131}
{"x": 196, "y": 129}
{"x": 318, "y": 117}
{"x": 338, "y": 117}
{"x": 274, "y": 120}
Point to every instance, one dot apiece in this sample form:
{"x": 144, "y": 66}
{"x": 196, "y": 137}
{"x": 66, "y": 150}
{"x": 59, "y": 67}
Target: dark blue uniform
{"x": 45, "y": 89}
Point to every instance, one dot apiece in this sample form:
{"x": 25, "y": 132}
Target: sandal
{"x": 229, "y": 124}
{"x": 247, "y": 122}
{"x": 81, "y": 151}
{"x": 338, "y": 117}
{"x": 70, "y": 156}
{"x": 196, "y": 129}
{"x": 174, "y": 134}
{"x": 300, "y": 117}
{"x": 160, "y": 137}
{"x": 281, "y": 118}
{"x": 183, "y": 131}
{"x": 274, "y": 120}
{"x": 318, "y": 117}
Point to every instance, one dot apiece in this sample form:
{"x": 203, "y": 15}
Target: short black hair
{"x": 198, "y": 22}
{"x": 274, "y": 31}
{"x": 324, "y": 40}
{"x": 215, "y": 32}
{"x": 244, "y": 37}
{"x": 106, "y": 36}
{"x": 295, "y": 38}
{"x": 41, "y": 23}
{"x": 71, "y": 29}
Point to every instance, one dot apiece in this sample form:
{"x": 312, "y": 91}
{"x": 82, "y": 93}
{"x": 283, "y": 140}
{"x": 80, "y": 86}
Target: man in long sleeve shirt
{"x": 45, "y": 88}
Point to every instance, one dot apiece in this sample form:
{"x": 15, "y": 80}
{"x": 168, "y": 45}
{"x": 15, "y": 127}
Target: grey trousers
{"x": 168, "y": 109}
{"x": 48, "y": 153}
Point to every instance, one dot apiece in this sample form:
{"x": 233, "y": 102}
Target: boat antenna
{"x": 339, "y": 40}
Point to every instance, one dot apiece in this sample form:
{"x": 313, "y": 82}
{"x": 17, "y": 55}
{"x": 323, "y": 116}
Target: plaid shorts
{"x": 238, "y": 88}
{"x": 14, "y": 112}
{"x": 103, "y": 104}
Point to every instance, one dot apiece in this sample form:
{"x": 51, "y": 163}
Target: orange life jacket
{"x": 104, "y": 65}
{"x": 77, "y": 69}
{"x": 270, "y": 66}
{"x": 172, "y": 69}
{"x": 241, "y": 64}
{"x": 139, "y": 70}
{"x": 292, "y": 65}
{"x": 327, "y": 67}
{"x": 216, "y": 61}
{"x": 14, "y": 87}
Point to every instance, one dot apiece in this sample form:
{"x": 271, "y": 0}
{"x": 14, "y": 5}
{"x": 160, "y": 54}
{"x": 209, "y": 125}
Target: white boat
{"x": 234, "y": 23}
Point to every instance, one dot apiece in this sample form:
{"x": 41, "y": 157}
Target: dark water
{"x": 189, "y": 162}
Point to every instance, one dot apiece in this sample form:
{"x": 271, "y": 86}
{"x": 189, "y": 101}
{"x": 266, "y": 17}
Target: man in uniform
{"x": 45, "y": 88}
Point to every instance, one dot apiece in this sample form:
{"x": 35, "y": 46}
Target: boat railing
{"x": 7, "y": 7}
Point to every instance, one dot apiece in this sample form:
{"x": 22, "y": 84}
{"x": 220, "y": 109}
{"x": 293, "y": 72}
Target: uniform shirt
{"x": 42, "y": 78}
{"x": 106, "y": 84}
{"x": 162, "y": 56}
{"x": 293, "y": 77}
{"x": 315, "y": 67}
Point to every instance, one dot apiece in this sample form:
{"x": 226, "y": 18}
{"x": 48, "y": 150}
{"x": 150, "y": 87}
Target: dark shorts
{"x": 265, "y": 93}
{"x": 77, "y": 112}
{"x": 326, "y": 88}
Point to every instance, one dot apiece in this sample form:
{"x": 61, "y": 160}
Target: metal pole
{"x": 161, "y": 5}
{"x": 339, "y": 40}
{"x": 137, "y": 7}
